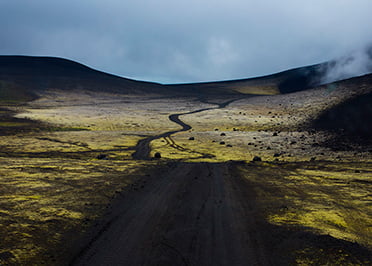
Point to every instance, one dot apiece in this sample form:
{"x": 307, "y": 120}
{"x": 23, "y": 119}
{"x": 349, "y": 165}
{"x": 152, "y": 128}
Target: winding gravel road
{"x": 142, "y": 149}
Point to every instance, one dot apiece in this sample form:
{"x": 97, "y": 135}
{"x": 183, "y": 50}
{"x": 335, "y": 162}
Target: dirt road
{"x": 190, "y": 214}
{"x": 193, "y": 214}
{"x": 142, "y": 149}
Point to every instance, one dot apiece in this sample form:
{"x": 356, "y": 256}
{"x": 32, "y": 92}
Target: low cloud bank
{"x": 357, "y": 63}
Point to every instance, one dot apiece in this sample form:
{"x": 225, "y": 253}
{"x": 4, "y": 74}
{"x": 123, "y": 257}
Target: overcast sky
{"x": 173, "y": 41}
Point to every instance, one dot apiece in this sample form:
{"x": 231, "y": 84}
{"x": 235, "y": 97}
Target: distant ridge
{"x": 288, "y": 81}
{"x": 40, "y": 73}
{"x": 30, "y": 74}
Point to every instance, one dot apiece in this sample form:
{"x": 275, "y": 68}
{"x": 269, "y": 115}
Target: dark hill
{"x": 27, "y": 74}
{"x": 352, "y": 117}
{"x": 349, "y": 121}
{"x": 283, "y": 82}
{"x": 292, "y": 80}
{"x": 40, "y": 73}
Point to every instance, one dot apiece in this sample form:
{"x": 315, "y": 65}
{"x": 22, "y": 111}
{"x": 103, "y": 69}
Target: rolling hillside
{"x": 27, "y": 74}
{"x": 283, "y": 82}
{"x": 40, "y": 73}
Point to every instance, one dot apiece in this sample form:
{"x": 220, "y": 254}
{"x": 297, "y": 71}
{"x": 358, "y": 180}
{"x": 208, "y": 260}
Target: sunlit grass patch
{"x": 70, "y": 144}
{"x": 46, "y": 202}
{"x": 107, "y": 112}
{"x": 195, "y": 146}
{"x": 223, "y": 145}
{"x": 13, "y": 124}
{"x": 325, "y": 199}
{"x": 259, "y": 90}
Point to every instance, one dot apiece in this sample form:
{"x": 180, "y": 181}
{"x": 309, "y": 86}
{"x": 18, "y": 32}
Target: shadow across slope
{"x": 350, "y": 121}
{"x": 351, "y": 117}
{"x": 283, "y": 82}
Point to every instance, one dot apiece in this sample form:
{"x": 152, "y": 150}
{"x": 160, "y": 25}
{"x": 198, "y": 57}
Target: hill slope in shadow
{"x": 350, "y": 121}
{"x": 283, "y": 82}
{"x": 40, "y": 73}
{"x": 29, "y": 74}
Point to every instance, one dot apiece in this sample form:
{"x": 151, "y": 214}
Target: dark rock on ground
{"x": 102, "y": 157}
{"x": 256, "y": 159}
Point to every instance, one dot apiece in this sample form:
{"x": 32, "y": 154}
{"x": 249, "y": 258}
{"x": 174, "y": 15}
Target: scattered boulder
{"x": 222, "y": 134}
{"x": 191, "y": 138}
{"x": 222, "y": 143}
{"x": 275, "y": 134}
{"x": 157, "y": 155}
{"x": 229, "y": 145}
{"x": 102, "y": 156}
{"x": 276, "y": 154}
{"x": 256, "y": 159}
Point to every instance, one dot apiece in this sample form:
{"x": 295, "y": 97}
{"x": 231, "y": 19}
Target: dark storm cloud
{"x": 183, "y": 41}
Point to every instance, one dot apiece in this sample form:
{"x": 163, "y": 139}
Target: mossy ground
{"x": 326, "y": 197}
{"x": 53, "y": 187}
{"x": 47, "y": 203}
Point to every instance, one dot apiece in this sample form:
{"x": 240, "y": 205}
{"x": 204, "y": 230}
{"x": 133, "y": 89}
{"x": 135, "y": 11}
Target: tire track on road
{"x": 143, "y": 149}
{"x": 192, "y": 214}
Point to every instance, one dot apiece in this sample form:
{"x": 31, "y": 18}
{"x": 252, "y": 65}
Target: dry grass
{"x": 325, "y": 197}
{"x": 52, "y": 186}
{"x": 46, "y": 204}
{"x": 112, "y": 112}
